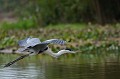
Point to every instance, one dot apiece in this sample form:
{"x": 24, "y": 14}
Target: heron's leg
{"x": 12, "y": 62}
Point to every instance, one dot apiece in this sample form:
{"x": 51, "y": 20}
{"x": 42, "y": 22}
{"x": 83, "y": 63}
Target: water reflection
{"x": 84, "y": 67}
{"x": 83, "y": 71}
{"x": 31, "y": 72}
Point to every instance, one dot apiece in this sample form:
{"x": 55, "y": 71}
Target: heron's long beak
{"x": 72, "y": 52}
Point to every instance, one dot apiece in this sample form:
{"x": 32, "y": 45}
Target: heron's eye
{"x": 68, "y": 49}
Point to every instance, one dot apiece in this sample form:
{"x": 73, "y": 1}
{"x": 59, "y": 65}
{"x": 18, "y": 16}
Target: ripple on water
{"x": 30, "y": 72}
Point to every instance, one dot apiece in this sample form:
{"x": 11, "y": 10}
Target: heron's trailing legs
{"x": 21, "y": 57}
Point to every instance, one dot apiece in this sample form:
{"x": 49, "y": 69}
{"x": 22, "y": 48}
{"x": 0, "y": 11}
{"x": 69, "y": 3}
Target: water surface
{"x": 81, "y": 66}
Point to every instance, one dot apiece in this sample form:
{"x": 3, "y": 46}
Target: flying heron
{"x": 35, "y": 46}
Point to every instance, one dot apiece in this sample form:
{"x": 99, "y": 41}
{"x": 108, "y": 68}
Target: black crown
{"x": 68, "y": 49}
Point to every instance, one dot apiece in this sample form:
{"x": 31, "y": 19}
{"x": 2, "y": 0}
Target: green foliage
{"x": 81, "y": 37}
{"x": 104, "y": 46}
{"x": 6, "y": 41}
{"x": 46, "y": 12}
{"x": 21, "y": 24}
{"x": 63, "y": 11}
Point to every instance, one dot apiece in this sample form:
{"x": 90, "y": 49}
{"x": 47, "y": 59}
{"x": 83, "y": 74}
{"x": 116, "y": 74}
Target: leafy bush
{"x": 52, "y": 12}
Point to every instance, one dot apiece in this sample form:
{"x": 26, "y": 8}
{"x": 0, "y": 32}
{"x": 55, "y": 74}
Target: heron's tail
{"x": 12, "y": 62}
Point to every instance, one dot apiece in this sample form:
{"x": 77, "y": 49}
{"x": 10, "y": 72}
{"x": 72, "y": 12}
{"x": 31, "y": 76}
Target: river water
{"x": 81, "y": 66}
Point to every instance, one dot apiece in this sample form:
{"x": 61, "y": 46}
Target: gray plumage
{"x": 35, "y": 45}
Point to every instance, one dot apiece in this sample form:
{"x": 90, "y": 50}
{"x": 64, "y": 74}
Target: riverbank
{"x": 80, "y": 37}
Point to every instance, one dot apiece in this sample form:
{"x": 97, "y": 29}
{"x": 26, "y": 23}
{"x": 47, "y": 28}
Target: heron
{"x": 34, "y": 46}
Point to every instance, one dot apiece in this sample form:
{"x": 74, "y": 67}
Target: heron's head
{"x": 68, "y": 50}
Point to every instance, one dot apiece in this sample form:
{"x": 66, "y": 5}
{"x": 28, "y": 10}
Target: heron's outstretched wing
{"x": 29, "y": 42}
{"x": 54, "y": 41}
{"x": 32, "y": 42}
{"x": 36, "y": 45}
{"x": 42, "y": 46}
{"x": 23, "y": 42}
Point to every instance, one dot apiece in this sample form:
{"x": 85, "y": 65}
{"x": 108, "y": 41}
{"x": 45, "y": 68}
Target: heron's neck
{"x": 56, "y": 55}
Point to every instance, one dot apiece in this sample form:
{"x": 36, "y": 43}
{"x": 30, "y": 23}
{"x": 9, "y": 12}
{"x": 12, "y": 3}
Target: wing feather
{"x": 32, "y": 42}
{"x": 55, "y": 41}
{"x": 23, "y": 42}
{"x": 29, "y": 42}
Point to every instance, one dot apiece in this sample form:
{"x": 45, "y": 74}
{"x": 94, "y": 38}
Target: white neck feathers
{"x": 56, "y": 55}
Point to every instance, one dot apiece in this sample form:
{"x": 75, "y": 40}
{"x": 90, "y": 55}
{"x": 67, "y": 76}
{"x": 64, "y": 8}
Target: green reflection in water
{"x": 78, "y": 66}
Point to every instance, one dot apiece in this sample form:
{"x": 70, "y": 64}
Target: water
{"x": 85, "y": 66}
